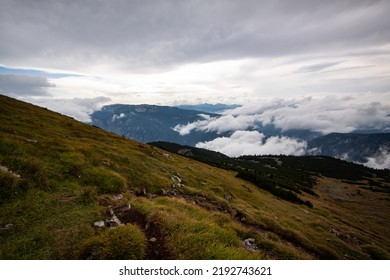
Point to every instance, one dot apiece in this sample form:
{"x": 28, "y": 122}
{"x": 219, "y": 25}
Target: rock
{"x": 167, "y": 156}
{"x": 99, "y": 224}
{"x": 7, "y": 226}
{"x": 334, "y": 231}
{"x": 117, "y": 196}
{"x": 228, "y": 195}
{"x": 249, "y": 241}
{"x": 114, "y": 221}
{"x": 249, "y": 244}
{"x": 34, "y": 141}
{"x": 5, "y": 169}
{"x": 176, "y": 178}
{"x": 153, "y": 239}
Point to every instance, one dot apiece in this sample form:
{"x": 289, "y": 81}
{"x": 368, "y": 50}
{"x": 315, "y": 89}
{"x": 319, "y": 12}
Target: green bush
{"x": 119, "y": 243}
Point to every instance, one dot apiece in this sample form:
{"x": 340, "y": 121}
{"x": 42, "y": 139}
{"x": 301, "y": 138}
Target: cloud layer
{"x": 78, "y": 108}
{"x": 324, "y": 115}
{"x": 379, "y": 161}
{"x": 147, "y": 34}
{"x": 254, "y": 143}
{"x": 24, "y": 85}
{"x": 189, "y": 52}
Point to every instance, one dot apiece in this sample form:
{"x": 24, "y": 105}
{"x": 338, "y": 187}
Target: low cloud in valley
{"x": 254, "y": 143}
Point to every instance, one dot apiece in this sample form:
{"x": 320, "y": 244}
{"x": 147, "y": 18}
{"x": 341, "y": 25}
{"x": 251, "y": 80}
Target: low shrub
{"x": 119, "y": 243}
{"x": 105, "y": 180}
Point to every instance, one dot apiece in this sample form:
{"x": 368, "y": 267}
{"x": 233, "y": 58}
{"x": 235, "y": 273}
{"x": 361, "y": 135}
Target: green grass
{"x": 195, "y": 233}
{"x": 59, "y": 176}
{"x": 119, "y": 243}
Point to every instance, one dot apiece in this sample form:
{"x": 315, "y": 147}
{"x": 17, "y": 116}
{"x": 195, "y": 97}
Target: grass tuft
{"x": 105, "y": 180}
{"x": 120, "y": 243}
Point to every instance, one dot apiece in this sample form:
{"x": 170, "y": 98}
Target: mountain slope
{"x": 72, "y": 191}
{"x": 287, "y": 176}
{"x": 351, "y": 146}
{"x": 147, "y": 123}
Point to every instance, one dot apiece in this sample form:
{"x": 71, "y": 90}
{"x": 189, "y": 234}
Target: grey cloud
{"x": 317, "y": 67}
{"x": 380, "y": 160}
{"x": 324, "y": 115}
{"x": 149, "y": 34}
{"x": 118, "y": 117}
{"x": 24, "y": 85}
{"x": 78, "y": 108}
{"x": 219, "y": 124}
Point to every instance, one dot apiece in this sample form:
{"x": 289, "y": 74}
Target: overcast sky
{"x": 167, "y": 52}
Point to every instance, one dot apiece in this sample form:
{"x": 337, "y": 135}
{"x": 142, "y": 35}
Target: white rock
{"x": 117, "y": 196}
{"x": 99, "y": 224}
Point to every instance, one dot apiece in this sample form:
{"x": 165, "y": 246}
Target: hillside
{"x": 287, "y": 176}
{"x": 73, "y": 191}
{"x": 351, "y": 146}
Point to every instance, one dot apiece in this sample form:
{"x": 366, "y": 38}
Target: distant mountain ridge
{"x": 209, "y": 108}
{"x": 151, "y": 123}
{"x": 350, "y": 146}
{"x": 148, "y": 123}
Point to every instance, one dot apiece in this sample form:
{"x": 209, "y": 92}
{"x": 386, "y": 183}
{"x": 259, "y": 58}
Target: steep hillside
{"x": 73, "y": 191}
{"x": 351, "y": 146}
{"x": 147, "y": 123}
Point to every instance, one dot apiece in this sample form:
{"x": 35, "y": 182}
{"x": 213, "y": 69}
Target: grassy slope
{"x": 59, "y": 176}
